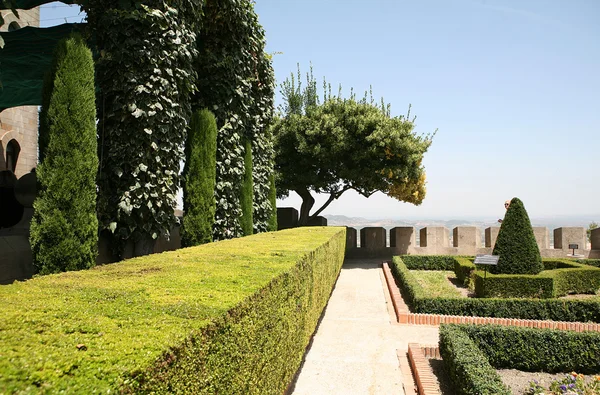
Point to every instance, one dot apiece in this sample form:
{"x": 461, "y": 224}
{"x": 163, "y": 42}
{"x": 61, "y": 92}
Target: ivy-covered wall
{"x": 143, "y": 111}
{"x": 236, "y": 82}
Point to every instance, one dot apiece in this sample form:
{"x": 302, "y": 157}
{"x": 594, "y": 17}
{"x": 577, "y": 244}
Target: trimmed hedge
{"x": 591, "y": 262}
{"x": 516, "y": 245}
{"x": 468, "y": 368}
{"x": 64, "y": 228}
{"x": 226, "y": 317}
{"x": 199, "y": 178}
{"x": 429, "y": 262}
{"x": 566, "y": 278}
{"x": 471, "y": 354}
{"x": 247, "y": 192}
{"x": 537, "y": 350}
{"x": 463, "y": 268}
{"x": 572, "y": 310}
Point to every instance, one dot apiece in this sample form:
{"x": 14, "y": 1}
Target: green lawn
{"x": 436, "y": 284}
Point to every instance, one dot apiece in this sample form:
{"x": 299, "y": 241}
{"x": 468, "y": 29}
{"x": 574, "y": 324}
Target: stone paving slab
{"x": 355, "y": 349}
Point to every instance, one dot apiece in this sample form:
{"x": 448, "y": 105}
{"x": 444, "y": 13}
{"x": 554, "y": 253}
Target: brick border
{"x": 404, "y": 316}
{"x": 423, "y": 375}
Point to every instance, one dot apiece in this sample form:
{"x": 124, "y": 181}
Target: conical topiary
{"x": 516, "y": 245}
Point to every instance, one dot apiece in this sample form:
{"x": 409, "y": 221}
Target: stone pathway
{"x": 358, "y": 347}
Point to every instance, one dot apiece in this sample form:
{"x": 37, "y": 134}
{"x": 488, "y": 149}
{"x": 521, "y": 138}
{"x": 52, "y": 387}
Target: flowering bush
{"x": 572, "y": 384}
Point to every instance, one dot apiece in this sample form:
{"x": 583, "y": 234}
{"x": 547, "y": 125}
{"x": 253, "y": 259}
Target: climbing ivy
{"x": 235, "y": 81}
{"x": 144, "y": 69}
{"x": 262, "y": 148}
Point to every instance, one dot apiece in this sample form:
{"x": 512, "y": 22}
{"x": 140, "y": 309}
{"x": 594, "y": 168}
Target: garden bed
{"x": 421, "y": 301}
{"x": 476, "y": 358}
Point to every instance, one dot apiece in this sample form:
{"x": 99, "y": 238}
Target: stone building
{"x": 18, "y": 126}
{"x": 18, "y": 156}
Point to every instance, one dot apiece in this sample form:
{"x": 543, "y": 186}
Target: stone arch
{"x": 14, "y": 25}
{"x": 4, "y": 140}
{"x": 12, "y": 151}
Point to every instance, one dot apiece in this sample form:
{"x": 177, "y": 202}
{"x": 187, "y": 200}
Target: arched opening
{"x": 13, "y": 26}
{"x": 12, "y": 155}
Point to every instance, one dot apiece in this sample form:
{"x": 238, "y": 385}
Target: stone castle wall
{"x": 435, "y": 240}
{"x": 20, "y": 123}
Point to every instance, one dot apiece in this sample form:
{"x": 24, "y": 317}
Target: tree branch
{"x": 333, "y": 196}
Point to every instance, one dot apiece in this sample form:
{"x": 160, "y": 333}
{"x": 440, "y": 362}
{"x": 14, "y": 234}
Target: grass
{"x": 435, "y": 283}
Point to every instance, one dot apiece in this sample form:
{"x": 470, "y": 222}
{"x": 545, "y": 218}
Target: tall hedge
{"x": 247, "y": 192}
{"x": 272, "y": 221}
{"x": 64, "y": 229}
{"x": 199, "y": 180}
{"x": 516, "y": 245}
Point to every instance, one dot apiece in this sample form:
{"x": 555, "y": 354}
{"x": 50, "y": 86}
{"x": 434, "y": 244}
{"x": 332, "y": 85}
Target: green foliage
{"x": 563, "y": 278}
{"x": 236, "y": 81}
{"x": 143, "y": 110}
{"x": 419, "y": 301}
{"x": 429, "y": 262}
{"x": 345, "y": 144}
{"x": 516, "y": 245}
{"x": 467, "y": 366}
{"x": 593, "y": 225}
{"x": 64, "y": 229}
{"x": 536, "y": 350}
{"x": 199, "y": 180}
{"x": 513, "y": 285}
{"x": 272, "y": 221}
{"x": 229, "y": 317}
{"x": 590, "y": 262}
{"x": 247, "y": 192}
{"x": 463, "y": 269}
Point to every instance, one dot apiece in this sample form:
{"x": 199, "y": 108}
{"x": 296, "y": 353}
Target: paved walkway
{"x": 354, "y": 349}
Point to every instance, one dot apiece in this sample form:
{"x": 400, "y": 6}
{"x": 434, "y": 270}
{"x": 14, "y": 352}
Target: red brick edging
{"x": 404, "y": 316}
{"x": 417, "y": 356}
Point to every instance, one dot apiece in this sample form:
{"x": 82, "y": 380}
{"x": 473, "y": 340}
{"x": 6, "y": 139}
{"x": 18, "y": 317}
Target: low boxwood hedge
{"x": 565, "y": 277}
{"x": 228, "y": 317}
{"x": 471, "y": 353}
{"x": 591, "y": 262}
{"x": 537, "y": 350}
{"x": 571, "y": 310}
{"x": 429, "y": 262}
{"x": 468, "y": 368}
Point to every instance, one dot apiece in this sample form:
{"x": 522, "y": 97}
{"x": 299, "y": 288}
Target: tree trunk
{"x": 307, "y": 203}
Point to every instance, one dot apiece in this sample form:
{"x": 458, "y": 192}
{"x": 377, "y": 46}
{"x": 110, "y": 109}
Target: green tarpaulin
{"x": 24, "y": 60}
{"x": 27, "y": 4}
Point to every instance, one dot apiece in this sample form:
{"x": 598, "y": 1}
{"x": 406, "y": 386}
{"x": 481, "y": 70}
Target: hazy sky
{"x": 512, "y": 85}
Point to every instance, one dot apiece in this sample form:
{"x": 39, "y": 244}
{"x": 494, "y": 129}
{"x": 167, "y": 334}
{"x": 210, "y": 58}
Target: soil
{"x": 518, "y": 381}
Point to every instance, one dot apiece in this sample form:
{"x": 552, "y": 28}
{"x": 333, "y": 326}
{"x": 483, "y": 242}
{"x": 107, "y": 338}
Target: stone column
{"x": 434, "y": 236}
{"x": 542, "y": 237}
{"x": 569, "y": 235}
{"x": 402, "y": 238}
{"x": 287, "y": 217}
{"x": 491, "y": 234}
{"x": 350, "y": 238}
{"x": 372, "y": 237}
{"x": 595, "y": 239}
{"x": 466, "y": 236}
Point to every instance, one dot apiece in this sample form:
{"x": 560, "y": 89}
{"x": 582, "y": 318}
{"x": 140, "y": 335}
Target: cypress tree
{"x": 247, "y": 192}
{"x": 272, "y": 222}
{"x": 64, "y": 229}
{"x": 199, "y": 175}
{"x": 516, "y": 245}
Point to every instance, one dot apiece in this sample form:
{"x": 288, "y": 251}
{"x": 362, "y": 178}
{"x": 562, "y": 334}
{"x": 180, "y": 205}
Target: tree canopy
{"x": 344, "y": 144}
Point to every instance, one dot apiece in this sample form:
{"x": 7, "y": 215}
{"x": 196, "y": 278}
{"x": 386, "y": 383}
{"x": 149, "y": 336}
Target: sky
{"x": 511, "y": 85}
